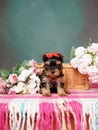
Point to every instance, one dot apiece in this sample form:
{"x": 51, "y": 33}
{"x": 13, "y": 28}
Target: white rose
{"x": 24, "y": 75}
{"x": 92, "y": 70}
{"x": 75, "y": 62}
{"x": 93, "y": 48}
{"x": 87, "y": 59}
{"x": 80, "y": 51}
{"x": 17, "y": 89}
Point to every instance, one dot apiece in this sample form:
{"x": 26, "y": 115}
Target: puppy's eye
{"x": 47, "y": 66}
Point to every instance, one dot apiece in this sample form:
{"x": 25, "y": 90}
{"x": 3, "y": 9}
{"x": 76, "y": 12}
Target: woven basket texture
{"x": 74, "y": 79}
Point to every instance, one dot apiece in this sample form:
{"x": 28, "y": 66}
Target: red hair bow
{"x": 50, "y": 55}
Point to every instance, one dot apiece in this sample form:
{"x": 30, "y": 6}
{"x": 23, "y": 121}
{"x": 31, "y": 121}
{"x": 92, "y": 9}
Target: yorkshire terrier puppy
{"x": 52, "y": 77}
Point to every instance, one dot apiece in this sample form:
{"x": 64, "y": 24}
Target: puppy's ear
{"x": 63, "y": 56}
{"x": 44, "y": 58}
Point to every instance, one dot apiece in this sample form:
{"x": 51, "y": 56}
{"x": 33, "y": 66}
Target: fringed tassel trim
{"x": 57, "y": 115}
{"x": 89, "y": 114}
{"x": 4, "y": 113}
{"x": 22, "y": 115}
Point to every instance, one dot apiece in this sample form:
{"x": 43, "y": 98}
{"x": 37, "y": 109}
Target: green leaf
{"x": 25, "y": 64}
{"x": 4, "y": 74}
{"x": 15, "y": 70}
{"x": 72, "y": 53}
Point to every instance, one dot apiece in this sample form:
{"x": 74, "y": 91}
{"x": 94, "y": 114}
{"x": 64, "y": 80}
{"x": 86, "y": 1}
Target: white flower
{"x": 36, "y": 79}
{"x": 86, "y": 61}
{"x": 75, "y": 62}
{"x": 83, "y": 68}
{"x": 96, "y": 61}
{"x": 18, "y": 88}
{"x": 93, "y": 79}
{"x": 80, "y": 51}
{"x": 92, "y": 70}
{"x": 24, "y": 75}
{"x": 93, "y": 48}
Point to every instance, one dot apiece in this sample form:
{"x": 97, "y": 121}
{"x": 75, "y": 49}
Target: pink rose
{"x": 2, "y": 84}
{"x": 13, "y": 78}
{"x": 35, "y": 70}
{"x": 32, "y": 63}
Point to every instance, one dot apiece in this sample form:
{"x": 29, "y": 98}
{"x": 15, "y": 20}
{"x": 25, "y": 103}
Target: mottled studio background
{"x": 29, "y": 28}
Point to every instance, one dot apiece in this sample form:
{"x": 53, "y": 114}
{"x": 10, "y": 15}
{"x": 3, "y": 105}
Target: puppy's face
{"x": 53, "y": 68}
{"x": 52, "y": 64}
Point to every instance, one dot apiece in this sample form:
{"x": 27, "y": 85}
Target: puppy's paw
{"x": 67, "y": 91}
{"x": 61, "y": 92}
{"x": 45, "y": 92}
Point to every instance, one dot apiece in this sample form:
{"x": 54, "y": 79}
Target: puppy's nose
{"x": 52, "y": 71}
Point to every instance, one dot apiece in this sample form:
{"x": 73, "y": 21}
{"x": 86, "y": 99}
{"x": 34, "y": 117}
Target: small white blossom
{"x": 80, "y": 51}
{"x": 93, "y": 48}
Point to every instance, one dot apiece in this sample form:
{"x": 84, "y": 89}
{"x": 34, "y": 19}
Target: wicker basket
{"x": 73, "y": 79}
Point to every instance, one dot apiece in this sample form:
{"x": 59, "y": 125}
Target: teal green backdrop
{"x": 38, "y": 26}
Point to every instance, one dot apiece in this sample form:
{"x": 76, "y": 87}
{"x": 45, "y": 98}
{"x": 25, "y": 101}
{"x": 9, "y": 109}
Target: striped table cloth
{"x": 77, "y": 111}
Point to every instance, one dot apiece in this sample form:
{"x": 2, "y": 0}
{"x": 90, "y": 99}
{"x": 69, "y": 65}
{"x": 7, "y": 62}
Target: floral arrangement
{"x": 85, "y": 59}
{"x": 22, "y": 79}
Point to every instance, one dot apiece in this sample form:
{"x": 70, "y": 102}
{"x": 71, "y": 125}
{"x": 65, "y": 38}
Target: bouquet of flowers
{"x": 85, "y": 59}
{"x": 22, "y": 79}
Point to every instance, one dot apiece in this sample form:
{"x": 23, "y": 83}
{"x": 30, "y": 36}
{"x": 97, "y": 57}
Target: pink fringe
{"x": 48, "y": 116}
{"x": 45, "y": 122}
{"x": 4, "y": 116}
{"x": 77, "y": 109}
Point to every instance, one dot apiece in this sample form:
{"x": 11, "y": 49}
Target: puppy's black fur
{"x": 52, "y": 77}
